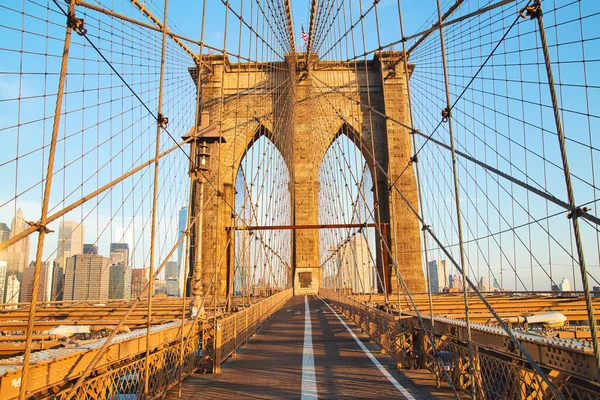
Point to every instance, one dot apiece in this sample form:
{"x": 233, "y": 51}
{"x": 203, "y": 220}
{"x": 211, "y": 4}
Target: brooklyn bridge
{"x": 272, "y": 199}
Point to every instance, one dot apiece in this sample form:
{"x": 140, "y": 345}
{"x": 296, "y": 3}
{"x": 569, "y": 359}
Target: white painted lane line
{"x": 309, "y": 379}
{"x": 375, "y": 361}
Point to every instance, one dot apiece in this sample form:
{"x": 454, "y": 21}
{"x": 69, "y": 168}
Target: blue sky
{"x": 496, "y": 118}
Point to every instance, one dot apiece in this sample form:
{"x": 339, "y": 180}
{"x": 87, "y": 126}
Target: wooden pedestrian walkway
{"x": 318, "y": 357}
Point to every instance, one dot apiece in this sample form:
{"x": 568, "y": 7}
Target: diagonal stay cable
{"x": 145, "y": 105}
{"x": 155, "y": 117}
{"x": 464, "y": 90}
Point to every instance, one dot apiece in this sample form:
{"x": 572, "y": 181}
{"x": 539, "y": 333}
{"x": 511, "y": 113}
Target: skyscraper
{"x": 70, "y": 239}
{"x": 87, "y": 277}
{"x": 27, "y": 283}
{"x": 455, "y": 282}
{"x": 438, "y": 275}
{"x": 13, "y": 288}
{"x": 139, "y": 280}
{"x": 172, "y": 278}
{"x": 356, "y": 266}
{"x": 4, "y": 236}
{"x": 17, "y": 255}
{"x": 119, "y": 286}
{"x": 483, "y": 285}
{"x": 57, "y": 283}
{"x": 3, "y": 265}
{"x": 119, "y": 253}
{"x": 90, "y": 248}
{"x": 4, "y": 232}
{"x": 565, "y": 285}
{"x": 181, "y": 274}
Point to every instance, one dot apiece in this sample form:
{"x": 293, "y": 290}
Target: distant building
{"x": 119, "y": 286}
{"x": 4, "y": 236}
{"x": 438, "y": 275}
{"x": 565, "y": 285}
{"x": 119, "y": 253}
{"x": 90, "y": 248}
{"x": 3, "y": 265}
{"x": 27, "y": 283}
{"x": 87, "y": 277}
{"x": 4, "y": 232}
{"x": 181, "y": 273}
{"x": 172, "y": 278}
{"x": 495, "y": 285}
{"x": 455, "y": 282}
{"x": 356, "y": 267}
{"x": 57, "y": 282}
{"x": 483, "y": 285}
{"x": 554, "y": 289}
{"x": 13, "y": 289}
{"x": 17, "y": 255}
{"x": 70, "y": 239}
{"x": 139, "y": 280}
{"x": 160, "y": 286}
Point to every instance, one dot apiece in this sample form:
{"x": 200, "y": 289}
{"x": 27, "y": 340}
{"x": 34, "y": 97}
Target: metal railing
{"x": 501, "y": 371}
{"x": 176, "y": 353}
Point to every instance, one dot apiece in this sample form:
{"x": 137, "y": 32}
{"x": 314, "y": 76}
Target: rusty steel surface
{"x": 451, "y": 305}
{"x": 301, "y": 227}
{"x": 502, "y": 370}
{"x": 270, "y": 366}
{"x": 52, "y": 371}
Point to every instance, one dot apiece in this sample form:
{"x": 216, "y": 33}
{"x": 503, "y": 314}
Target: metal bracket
{"x": 162, "y": 121}
{"x": 445, "y": 114}
{"x": 77, "y": 24}
{"x": 578, "y": 212}
{"x": 533, "y": 12}
{"x": 39, "y": 227}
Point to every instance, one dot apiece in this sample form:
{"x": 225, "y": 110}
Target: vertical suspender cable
{"x": 420, "y": 194}
{"x": 41, "y": 225}
{"x": 472, "y": 381}
{"x": 160, "y": 124}
{"x": 535, "y": 12}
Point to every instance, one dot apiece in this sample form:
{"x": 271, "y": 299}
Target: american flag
{"x": 304, "y": 36}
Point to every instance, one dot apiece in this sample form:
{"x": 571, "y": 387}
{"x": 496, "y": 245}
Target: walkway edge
{"x": 380, "y": 367}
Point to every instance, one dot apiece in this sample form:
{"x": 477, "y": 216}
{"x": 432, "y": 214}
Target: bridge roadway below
{"x": 295, "y": 357}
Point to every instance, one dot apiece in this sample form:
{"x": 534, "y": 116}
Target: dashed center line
{"x": 309, "y": 379}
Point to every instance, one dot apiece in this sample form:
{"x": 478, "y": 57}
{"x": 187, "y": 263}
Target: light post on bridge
{"x": 202, "y": 136}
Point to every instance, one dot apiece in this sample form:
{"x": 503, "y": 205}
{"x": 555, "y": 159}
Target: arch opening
{"x": 348, "y": 255}
{"x": 262, "y": 198}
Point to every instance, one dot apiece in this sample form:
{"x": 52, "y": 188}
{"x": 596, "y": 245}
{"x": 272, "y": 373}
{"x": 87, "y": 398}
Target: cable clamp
{"x": 578, "y": 212}
{"x": 77, "y": 24}
{"x": 425, "y": 228}
{"x": 445, "y": 114}
{"x": 39, "y": 227}
{"x": 534, "y": 11}
{"x": 413, "y": 159}
{"x": 162, "y": 121}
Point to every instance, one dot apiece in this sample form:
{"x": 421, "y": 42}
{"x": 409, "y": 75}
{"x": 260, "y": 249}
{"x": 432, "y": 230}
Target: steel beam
{"x": 300, "y": 227}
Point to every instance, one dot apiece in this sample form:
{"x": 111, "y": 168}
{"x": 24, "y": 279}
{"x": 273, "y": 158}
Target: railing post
{"x": 235, "y": 338}
{"x": 217, "y": 356}
{"x": 246, "y": 334}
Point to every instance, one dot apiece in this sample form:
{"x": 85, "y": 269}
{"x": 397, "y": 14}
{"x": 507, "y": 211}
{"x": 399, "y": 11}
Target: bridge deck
{"x": 276, "y": 363}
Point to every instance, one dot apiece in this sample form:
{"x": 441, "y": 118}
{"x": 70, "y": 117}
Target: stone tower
{"x": 315, "y": 114}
